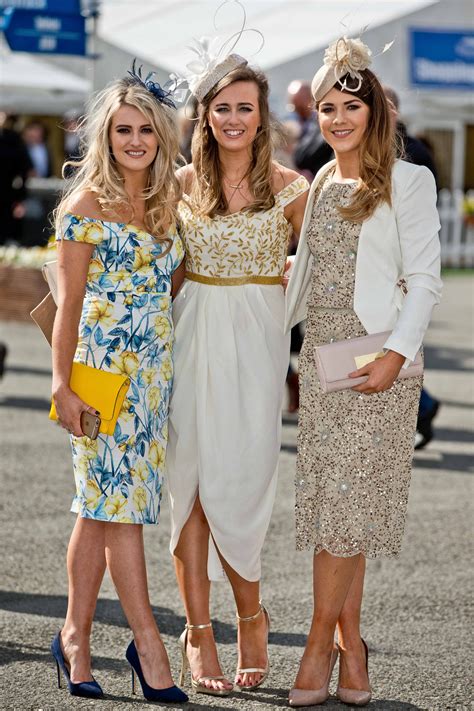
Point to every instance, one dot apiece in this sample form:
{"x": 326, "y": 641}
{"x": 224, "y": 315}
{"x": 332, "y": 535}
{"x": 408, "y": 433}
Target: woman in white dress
{"x": 231, "y": 359}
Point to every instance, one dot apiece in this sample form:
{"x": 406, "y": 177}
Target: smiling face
{"x": 343, "y": 119}
{"x": 132, "y": 139}
{"x": 234, "y": 115}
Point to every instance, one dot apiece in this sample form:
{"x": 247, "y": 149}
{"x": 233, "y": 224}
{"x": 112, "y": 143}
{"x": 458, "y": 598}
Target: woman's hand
{"x": 286, "y": 276}
{"x": 69, "y": 408}
{"x": 382, "y": 373}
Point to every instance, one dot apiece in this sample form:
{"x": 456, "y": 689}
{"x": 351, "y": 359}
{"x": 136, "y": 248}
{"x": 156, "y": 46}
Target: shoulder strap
{"x": 293, "y": 190}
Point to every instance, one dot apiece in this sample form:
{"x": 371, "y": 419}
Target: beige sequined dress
{"x": 354, "y": 451}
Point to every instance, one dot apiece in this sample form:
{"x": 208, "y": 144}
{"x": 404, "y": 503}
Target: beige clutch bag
{"x": 43, "y": 314}
{"x": 334, "y": 361}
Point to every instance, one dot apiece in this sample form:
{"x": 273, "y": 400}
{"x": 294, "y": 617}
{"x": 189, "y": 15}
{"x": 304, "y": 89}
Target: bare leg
{"x": 126, "y": 562}
{"x": 332, "y": 579}
{"x": 352, "y": 665}
{"x": 190, "y": 558}
{"x": 86, "y": 566}
{"x": 252, "y": 634}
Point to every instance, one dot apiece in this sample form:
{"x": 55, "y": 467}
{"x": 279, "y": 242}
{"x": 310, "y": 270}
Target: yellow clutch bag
{"x": 101, "y": 390}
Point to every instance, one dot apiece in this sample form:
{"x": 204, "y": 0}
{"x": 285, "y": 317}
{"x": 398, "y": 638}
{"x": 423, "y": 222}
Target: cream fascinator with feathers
{"x": 215, "y": 59}
{"x": 344, "y": 58}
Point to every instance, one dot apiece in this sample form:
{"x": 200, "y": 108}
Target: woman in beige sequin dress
{"x": 370, "y": 221}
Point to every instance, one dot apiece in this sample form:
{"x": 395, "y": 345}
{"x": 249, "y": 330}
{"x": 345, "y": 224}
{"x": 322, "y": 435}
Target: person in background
{"x": 3, "y": 358}
{"x": 311, "y": 151}
{"x": 416, "y": 151}
{"x": 290, "y": 131}
{"x": 187, "y": 117}
{"x": 72, "y": 144}
{"x": 15, "y": 167}
{"x": 285, "y": 155}
{"x": 35, "y": 137}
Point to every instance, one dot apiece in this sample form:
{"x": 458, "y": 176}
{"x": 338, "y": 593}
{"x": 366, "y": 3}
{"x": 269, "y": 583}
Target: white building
{"x": 442, "y": 113}
{"x": 296, "y": 33}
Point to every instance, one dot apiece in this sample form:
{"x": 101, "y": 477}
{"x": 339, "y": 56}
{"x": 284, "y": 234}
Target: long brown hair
{"x": 377, "y": 153}
{"x": 207, "y": 192}
{"x": 96, "y": 170}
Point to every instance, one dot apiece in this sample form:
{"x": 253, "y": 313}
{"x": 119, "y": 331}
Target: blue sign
{"x": 64, "y": 7}
{"x": 442, "y": 59}
{"x": 46, "y": 33}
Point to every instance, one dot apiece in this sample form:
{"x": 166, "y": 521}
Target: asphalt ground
{"x": 417, "y": 610}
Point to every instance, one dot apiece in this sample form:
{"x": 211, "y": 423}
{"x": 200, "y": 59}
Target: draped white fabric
{"x": 231, "y": 359}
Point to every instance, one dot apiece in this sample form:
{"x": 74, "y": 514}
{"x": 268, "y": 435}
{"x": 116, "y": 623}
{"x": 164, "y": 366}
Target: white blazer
{"x": 397, "y": 242}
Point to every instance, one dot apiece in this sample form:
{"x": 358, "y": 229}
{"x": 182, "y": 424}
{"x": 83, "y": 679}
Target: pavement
{"x": 416, "y": 615}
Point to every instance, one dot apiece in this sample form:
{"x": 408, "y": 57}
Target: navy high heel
{"x": 171, "y": 694}
{"x": 86, "y": 689}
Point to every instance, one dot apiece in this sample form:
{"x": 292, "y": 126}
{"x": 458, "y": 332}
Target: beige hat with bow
{"x": 344, "y": 58}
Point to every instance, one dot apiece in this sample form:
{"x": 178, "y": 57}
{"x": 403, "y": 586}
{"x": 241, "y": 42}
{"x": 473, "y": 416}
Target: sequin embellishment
{"x": 354, "y": 451}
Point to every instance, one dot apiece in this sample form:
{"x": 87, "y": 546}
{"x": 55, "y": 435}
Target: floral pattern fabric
{"x": 242, "y": 243}
{"x": 126, "y": 327}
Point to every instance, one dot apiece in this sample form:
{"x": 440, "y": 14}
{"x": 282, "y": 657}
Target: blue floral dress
{"x": 126, "y": 327}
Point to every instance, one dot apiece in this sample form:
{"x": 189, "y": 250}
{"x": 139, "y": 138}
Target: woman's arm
{"x": 294, "y": 213}
{"x": 177, "y": 279}
{"x": 73, "y": 265}
{"x": 418, "y": 225}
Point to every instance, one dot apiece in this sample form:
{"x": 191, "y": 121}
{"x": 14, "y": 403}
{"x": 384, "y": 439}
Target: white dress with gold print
{"x": 231, "y": 359}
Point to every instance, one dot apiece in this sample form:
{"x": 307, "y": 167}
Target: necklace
{"x": 239, "y": 186}
{"x": 234, "y": 188}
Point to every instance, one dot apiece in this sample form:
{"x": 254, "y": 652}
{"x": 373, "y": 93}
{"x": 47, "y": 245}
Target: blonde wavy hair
{"x": 96, "y": 171}
{"x": 377, "y": 153}
{"x": 207, "y": 192}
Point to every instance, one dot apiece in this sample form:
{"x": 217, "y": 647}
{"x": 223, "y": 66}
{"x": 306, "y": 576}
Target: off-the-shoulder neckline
{"x": 239, "y": 212}
{"x": 108, "y": 222}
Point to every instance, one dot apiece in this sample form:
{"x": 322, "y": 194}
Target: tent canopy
{"x": 161, "y": 30}
{"x": 29, "y": 85}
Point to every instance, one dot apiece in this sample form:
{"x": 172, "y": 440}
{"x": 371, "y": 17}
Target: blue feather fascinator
{"x": 167, "y": 94}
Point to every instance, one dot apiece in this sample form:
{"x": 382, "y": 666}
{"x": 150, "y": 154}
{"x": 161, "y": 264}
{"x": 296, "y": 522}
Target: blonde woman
{"x": 231, "y": 359}
{"x": 119, "y": 257}
{"x": 370, "y": 232}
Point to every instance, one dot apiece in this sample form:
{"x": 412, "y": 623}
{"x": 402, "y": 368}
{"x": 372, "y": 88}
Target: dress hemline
{"x": 84, "y": 513}
{"x": 371, "y": 555}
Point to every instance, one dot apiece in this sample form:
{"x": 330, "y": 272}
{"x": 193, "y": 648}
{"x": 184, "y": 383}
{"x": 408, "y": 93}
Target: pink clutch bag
{"x": 334, "y": 361}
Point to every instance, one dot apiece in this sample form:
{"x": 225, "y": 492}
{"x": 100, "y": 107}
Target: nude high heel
{"x": 198, "y": 685}
{"x": 314, "y": 697}
{"x": 256, "y": 670}
{"x": 355, "y": 697}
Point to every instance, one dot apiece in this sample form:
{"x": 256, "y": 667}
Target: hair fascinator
{"x": 167, "y": 94}
{"x": 215, "y": 58}
{"x": 344, "y": 58}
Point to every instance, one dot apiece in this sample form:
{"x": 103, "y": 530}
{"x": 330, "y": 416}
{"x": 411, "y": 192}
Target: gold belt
{"x": 233, "y": 281}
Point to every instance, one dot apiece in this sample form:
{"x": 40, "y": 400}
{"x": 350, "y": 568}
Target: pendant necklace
{"x": 239, "y": 186}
